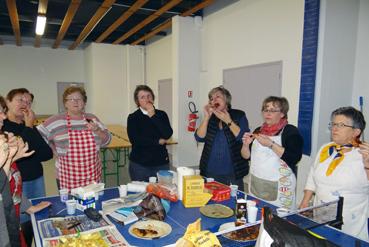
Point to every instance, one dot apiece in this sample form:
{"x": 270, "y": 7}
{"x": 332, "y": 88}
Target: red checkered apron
{"x": 81, "y": 165}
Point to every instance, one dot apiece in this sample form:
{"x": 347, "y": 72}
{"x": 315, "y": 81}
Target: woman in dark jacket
{"x": 148, "y": 130}
{"x": 222, "y": 129}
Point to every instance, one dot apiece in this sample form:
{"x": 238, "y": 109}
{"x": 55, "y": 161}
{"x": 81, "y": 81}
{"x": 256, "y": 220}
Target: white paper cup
{"x": 152, "y": 179}
{"x": 234, "y": 189}
{"x": 197, "y": 172}
{"x": 123, "y": 189}
{"x": 252, "y": 213}
{"x": 251, "y": 203}
{"x": 71, "y": 206}
{"x": 63, "y": 195}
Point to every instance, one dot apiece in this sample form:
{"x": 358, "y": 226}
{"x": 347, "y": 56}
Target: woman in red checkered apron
{"x": 76, "y": 138}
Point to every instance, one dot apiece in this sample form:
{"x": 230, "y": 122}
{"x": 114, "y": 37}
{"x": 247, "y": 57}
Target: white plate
{"x": 162, "y": 228}
{"x": 226, "y": 226}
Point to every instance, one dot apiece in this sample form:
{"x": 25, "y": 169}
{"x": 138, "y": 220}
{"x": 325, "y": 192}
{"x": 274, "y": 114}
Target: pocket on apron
{"x": 264, "y": 189}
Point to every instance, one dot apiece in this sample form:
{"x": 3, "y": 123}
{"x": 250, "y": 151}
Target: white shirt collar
{"x": 144, "y": 111}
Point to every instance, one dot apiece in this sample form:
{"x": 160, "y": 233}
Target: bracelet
{"x": 271, "y": 145}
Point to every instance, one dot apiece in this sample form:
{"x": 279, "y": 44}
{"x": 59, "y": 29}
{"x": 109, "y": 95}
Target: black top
{"x": 144, "y": 134}
{"x": 239, "y": 164}
{"x": 293, "y": 144}
{"x": 30, "y": 167}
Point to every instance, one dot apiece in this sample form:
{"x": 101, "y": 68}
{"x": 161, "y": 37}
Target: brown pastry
{"x": 147, "y": 233}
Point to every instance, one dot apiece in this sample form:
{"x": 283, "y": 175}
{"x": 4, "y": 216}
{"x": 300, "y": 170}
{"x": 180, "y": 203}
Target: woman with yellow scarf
{"x": 341, "y": 168}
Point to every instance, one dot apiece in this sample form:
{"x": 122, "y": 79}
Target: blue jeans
{"x": 32, "y": 189}
{"x": 138, "y": 172}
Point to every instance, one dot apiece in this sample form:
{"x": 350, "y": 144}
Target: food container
{"x": 165, "y": 177}
{"x": 220, "y": 191}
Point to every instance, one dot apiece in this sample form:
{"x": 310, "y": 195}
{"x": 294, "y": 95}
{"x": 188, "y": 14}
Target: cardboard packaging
{"x": 193, "y": 192}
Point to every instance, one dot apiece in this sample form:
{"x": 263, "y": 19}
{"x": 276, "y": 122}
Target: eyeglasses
{"x": 23, "y": 101}
{"x": 331, "y": 125}
{"x": 74, "y": 100}
{"x": 271, "y": 110}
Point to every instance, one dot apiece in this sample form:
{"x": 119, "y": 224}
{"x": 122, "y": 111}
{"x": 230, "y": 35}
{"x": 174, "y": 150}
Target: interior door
{"x": 250, "y": 85}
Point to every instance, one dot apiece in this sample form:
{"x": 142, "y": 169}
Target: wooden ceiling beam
{"x": 196, "y": 8}
{"x": 13, "y": 14}
{"x": 161, "y": 27}
{"x": 136, "y": 6}
{"x": 42, "y": 8}
{"x": 148, "y": 20}
{"x": 168, "y": 23}
{"x": 99, "y": 14}
{"x": 72, "y": 10}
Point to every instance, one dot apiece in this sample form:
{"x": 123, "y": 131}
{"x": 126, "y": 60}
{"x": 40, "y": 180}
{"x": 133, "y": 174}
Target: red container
{"x": 220, "y": 191}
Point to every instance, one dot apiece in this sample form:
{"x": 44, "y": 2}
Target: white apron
{"x": 270, "y": 177}
{"x": 347, "y": 180}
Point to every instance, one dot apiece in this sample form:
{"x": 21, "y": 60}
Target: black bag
{"x": 150, "y": 207}
{"x": 286, "y": 234}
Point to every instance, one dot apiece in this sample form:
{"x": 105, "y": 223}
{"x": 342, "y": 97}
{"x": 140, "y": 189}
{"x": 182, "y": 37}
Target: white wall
{"x": 38, "y": 70}
{"x": 361, "y": 72}
{"x": 113, "y": 71}
{"x": 158, "y": 62}
{"x": 252, "y": 32}
{"x": 186, "y": 45}
{"x": 336, "y": 64}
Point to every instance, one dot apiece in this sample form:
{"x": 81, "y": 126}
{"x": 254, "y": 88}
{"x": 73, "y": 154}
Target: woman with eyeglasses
{"x": 148, "y": 130}
{"x": 76, "y": 138}
{"x": 15, "y": 149}
{"x": 20, "y": 119}
{"x": 221, "y": 130}
{"x": 341, "y": 168}
{"x": 274, "y": 148}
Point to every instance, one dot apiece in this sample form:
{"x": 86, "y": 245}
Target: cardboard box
{"x": 193, "y": 192}
{"x": 85, "y": 201}
{"x": 219, "y": 191}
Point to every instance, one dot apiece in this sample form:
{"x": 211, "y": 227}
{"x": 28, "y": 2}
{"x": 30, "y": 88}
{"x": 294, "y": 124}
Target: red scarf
{"x": 274, "y": 129}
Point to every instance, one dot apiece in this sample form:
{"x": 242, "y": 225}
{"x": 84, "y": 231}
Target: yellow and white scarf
{"x": 327, "y": 151}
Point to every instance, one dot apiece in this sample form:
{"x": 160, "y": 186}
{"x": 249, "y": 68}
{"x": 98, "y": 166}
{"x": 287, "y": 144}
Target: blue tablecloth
{"x": 179, "y": 217}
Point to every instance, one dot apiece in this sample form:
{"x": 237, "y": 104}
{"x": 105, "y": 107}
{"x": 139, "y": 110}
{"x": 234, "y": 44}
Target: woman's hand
{"x": 223, "y": 115}
{"x": 162, "y": 141}
{"x": 22, "y": 150}
{"x": 13, "y": 146}
{"x": 38, "y": 207}
{"x": 264, "y": 140}
{"x": 364, "y": 150}
{"x": 4, "y": 150}
{"x": 247, "y": 138}
{"x": 208, "y": 110}
{"x": 29, "y": 117}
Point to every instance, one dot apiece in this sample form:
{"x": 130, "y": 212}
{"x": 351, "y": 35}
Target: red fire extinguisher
{"x": 192, "y": 117}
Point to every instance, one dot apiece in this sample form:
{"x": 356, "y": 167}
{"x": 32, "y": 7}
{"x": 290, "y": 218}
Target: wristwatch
{"x": 230, "y": 123}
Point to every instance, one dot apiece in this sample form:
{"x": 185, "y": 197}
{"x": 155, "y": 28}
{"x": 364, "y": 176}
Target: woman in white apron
{"x": 276, "y": 147}
{"x": 341, "y": 168}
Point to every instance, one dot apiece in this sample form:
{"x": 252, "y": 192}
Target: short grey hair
{"x": 227, "y": 95}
